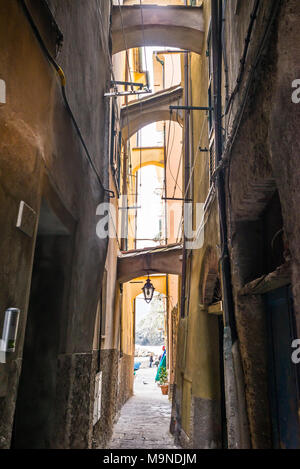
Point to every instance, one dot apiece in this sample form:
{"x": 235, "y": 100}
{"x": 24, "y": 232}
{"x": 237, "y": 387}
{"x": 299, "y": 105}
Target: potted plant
{"x": 163, "y": 381}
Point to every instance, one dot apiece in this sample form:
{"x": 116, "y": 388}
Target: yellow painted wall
{"x": 130, "y": 291}
{"x": 142, "y": 157}
{"x": 198, "y": 344}
{"x": 154, "y": 156}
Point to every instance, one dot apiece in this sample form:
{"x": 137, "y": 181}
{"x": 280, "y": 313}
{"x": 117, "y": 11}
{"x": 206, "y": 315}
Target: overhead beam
{"x": 152, "y": 25}
{"x": 154, "y": 108}
{"x": 161, "y": 260}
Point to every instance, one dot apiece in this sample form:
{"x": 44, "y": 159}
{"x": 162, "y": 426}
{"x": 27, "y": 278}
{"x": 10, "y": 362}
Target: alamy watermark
{"x": 296, "y": 93}
{"x": 110, "y": 218}
{"x": 296, "y": 353}
{"x": 2, "y": 351}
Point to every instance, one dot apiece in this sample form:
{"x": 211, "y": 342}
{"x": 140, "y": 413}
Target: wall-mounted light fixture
{"x": 10, "y": 330}
{"x": 148, "y": 290}
{"x": 2, "y": 92}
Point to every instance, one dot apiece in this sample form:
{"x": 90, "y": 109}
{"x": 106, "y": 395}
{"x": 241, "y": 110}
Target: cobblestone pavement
{"x": 145, "y": 418}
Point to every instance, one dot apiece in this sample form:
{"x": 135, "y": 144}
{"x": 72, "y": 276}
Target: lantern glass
{"x": 148, "y": 290}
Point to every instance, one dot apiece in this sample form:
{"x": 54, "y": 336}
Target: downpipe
{"x": 236, "y": 419}
{"x": 186, "y": 182}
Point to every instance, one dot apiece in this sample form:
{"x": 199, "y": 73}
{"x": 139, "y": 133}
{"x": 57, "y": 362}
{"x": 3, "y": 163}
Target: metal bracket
{"x": 116, "y": 93}
{"x": 127, "y": 83}
{"x": 190, "y": 108}
{"x": 175, "y": 198}
{"x": 129, "y": 208}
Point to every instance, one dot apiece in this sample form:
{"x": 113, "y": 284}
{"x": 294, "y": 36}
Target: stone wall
{"x": 103, "y": 429}
{"x": 126, "y": 379}
{"x": 117, "y": 388}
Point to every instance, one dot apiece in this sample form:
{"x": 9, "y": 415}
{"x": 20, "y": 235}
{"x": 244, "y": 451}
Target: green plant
{"x": 163, "y": 376}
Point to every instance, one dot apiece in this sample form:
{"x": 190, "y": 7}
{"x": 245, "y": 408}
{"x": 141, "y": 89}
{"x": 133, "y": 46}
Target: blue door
{"x": 283, "y": 374}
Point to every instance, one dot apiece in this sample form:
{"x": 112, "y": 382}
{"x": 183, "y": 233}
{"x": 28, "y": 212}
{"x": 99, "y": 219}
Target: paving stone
{"x": 144, "y": 420}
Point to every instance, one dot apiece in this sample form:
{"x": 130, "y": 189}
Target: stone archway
{"x": 138, "y": 263}
{"x": 155, "y": 108}
{"x": 142, "y": 157}
{"x": 172, "y": 26}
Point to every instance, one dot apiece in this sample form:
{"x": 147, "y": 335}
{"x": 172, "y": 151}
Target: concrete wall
{"x": 39, "y": 143}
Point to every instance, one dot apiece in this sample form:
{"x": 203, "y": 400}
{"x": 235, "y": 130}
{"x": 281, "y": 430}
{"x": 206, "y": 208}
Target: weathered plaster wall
{"x": 102, "y": 431}
{"x": 264, "y": 157}
{"x": 37, "y": 136}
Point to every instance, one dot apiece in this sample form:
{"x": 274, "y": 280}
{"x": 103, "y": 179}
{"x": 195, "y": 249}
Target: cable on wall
{"x": 62, "y": 77}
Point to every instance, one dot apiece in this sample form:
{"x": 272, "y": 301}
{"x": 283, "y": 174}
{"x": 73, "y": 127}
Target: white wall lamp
{"x": 2, "y": 92}
{"x": 10, "y": 331}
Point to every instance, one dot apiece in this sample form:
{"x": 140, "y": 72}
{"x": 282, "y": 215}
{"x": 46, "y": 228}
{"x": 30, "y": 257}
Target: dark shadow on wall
{"x": 35, "y": 407}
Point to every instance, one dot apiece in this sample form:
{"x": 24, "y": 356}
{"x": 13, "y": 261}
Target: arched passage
{"x": 152, "y": 25}
{"x": 155, "y": 108}
{"x": 136, "y": 284}
{"x": 153, "y": 261}
{"x": 141, "y": 157}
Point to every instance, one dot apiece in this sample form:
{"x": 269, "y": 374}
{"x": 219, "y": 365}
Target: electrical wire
{"x": 230, "y": 141}
{"x": 127, "y": 117}
{"x": 62, "y": 77}
{"x": 244, "y": 56}
{"x": 190, "y": 179}
{"x": 105, "y": 42}
{"x": 143, "y": 32}
{"x": 168, "y": 152}
{"x": 127, "y": 55}
{"x": 130, "y": 76}
{"x": 195, "y": 159}
{"x": 178, "y": 171}
{"x": 129, "y": 71}
{"x": 124, "y": 38}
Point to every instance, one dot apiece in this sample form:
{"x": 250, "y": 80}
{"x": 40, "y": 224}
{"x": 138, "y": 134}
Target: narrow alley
{"x": 145, "y": 419}
{"x": 150, "y": 225}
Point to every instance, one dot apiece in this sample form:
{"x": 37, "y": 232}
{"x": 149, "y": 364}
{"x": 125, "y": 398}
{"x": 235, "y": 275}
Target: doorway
{"x": 34, "y": 423}
{"x": 283, "y": 379}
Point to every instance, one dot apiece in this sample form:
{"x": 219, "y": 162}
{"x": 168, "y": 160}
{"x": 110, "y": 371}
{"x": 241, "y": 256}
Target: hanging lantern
{"x": 148, "y": 290}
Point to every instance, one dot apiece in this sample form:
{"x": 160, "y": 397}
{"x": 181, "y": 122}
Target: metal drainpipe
{"x": 225, "y": 53}
{"x": 186, "y": 180}
{"x": 230, "y": 335}
{"x": 168, "y": 348}
{"x": 220, "y": 182}
{"x": 124, "y": 222}
{"x": 100, "y": 332}
{"x": 186, "y": 176}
